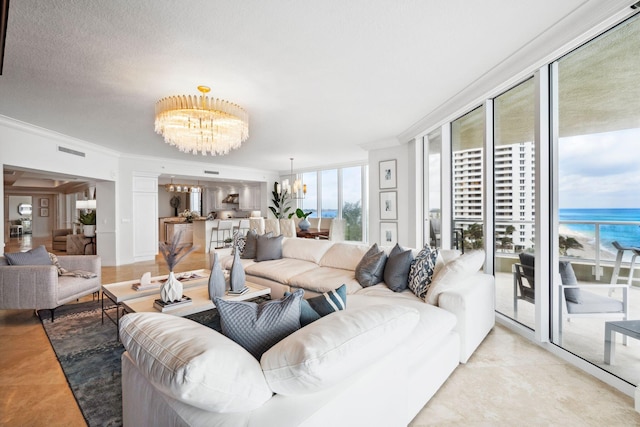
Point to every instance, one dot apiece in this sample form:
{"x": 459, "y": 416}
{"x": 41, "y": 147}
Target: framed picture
{"x": 388, "y": 174}
{"x": 44, "y": 211}
{"x": 44, "y": 203}
{"x": 388, "y": 205}
{"x": 388, "y": 233}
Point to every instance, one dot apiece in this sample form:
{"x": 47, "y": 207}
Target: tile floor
{"x": 508, "y": 381}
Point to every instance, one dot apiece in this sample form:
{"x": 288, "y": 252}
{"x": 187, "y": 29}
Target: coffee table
{"x": 119, "y": 292}
{"x": 200, "y": 300}
{"x": 628, "y": 328}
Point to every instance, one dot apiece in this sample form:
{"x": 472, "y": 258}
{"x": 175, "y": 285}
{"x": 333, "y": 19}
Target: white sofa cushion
{"x": 193, "y": 363}
{"x": 343, "y": 255}
{"x": 323, "y": 279}
{"x": 280, "y": 270}
{"x": 453, "y": 273}
{"x": 335, "y": 347}
{"x": 305, "y": 249}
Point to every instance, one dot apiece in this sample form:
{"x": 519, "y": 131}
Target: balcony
{"x": 593, "y": 265}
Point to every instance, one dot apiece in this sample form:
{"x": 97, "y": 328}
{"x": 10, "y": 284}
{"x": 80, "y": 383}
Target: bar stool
{"x": 224, "y": 227}
{"x": 243, "y": 227}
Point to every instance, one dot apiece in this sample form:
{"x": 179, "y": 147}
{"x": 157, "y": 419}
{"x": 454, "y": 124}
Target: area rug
{"x": 89, "y": 354}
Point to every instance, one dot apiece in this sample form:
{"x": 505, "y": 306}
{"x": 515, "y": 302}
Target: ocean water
{"x": 626, "y": 235}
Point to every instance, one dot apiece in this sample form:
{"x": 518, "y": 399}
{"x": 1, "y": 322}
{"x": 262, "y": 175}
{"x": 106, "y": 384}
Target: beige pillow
{"x": 335, "y": 347}
{"x": 454, "y": 272}
{"x": 193, "y": 363}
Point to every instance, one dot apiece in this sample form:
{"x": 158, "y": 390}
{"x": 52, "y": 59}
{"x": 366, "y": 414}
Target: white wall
{"x": 405, "y": 189}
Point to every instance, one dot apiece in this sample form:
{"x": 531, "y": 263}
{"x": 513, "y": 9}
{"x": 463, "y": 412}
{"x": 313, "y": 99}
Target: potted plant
{"x": 304, "y": 224}
{"x": 88, "y": 221}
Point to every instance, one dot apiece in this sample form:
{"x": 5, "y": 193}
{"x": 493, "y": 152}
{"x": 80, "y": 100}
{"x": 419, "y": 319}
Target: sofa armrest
{"x": 473, "y": 303}
{"x": 81, "y": 262}
{"x": 28, "y": 287}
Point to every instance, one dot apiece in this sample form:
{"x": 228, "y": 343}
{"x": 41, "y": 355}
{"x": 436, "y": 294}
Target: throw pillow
{"x": 307, "y": 314}
{"x": 250, "y": 244}
{"x": 258, "y": 327}
{"x": 330, "y": 302}
{"x": 337, "y": 348}
{"x": 370, "y": 269}
{"x": 56, "y": 262}
{"x": 454, "y": 273}
{"x": 238, "y": 244}
{"x": 568, "y": 277}
{"x": 396, "y": 270}
{"x": 421, "y": 272}
{"x": 35, "y": 256}
{"x": 314, "y": 308}
{"x": 269, "y": 248}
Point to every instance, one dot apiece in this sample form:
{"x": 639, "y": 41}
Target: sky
{"x": 600, "y": 170}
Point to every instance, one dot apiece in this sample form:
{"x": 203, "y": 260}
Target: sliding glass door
{"x": 514, "y": 202}
{"x": 597, "y": 144}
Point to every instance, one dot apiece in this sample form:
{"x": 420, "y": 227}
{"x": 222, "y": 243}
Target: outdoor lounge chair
{"x": 575, "y": 300}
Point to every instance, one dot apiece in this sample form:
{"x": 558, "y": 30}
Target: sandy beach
{"x": 589, "y": 246}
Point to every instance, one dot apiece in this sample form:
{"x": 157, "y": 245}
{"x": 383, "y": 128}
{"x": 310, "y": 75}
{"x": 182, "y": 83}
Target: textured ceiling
{"x": 319, "y": 79}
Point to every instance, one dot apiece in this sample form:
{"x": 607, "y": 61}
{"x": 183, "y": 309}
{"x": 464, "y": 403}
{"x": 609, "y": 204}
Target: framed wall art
{"x": 388, "y": 233}
{"x": 44, "y": 211}
{"x": 44, "y": 203}
{"x": 388, "y": 205}
{"x": 388, "y": 174}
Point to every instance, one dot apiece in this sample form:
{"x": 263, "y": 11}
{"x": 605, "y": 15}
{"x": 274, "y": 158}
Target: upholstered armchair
{"x": 39, "y": 286}
{"x": 59, "y": 239}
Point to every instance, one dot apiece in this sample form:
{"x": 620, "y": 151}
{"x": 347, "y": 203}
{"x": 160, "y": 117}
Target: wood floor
{"x": 508, "y": 381}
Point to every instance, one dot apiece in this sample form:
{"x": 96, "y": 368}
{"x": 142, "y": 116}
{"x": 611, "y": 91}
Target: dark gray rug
{"x": 90, "y": 357}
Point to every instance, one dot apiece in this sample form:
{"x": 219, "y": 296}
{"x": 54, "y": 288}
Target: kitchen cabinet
{"x": 250, "y": 199}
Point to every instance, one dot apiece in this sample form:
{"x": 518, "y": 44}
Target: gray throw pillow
{"x": 568, "y": 277}
{"x": 269, "y": 248}
{"x": 250, "y": 244}
{"x": 396, "y": 271}
{"x": 257, "y": 328}
{"x": 421, "y": 272}
{"x": 238, "y": 243}
{"x": 370, "y": 269}
{"x": 36, "y": 256}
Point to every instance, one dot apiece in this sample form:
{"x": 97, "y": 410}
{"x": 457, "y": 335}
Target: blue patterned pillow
{"x": 239, "y": 242}
{"x": 421, "y": 272}
{"x": 257, "y": 328}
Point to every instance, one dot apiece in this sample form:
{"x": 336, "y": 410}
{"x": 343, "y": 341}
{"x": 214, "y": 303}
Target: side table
{"x": 628, "y": 328}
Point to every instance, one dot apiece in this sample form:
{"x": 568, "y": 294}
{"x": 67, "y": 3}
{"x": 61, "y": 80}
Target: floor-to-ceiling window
{"x": 352, "y": 202}
{"x": 467, "y": 148}
{"x": 514, "y": 204}
{"x": 597, "y": 143}
{"x": 338, "y": 193}
{"x": 433, "y": 159}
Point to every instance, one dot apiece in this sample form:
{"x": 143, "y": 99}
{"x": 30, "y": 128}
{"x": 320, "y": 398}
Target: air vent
{"x": 212, "y": 172}
{"x": 70, "y": 151}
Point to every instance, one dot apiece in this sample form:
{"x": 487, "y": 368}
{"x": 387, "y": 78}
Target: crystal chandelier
{"x": 295, "y": 187}
{"x": 201, "y": 124}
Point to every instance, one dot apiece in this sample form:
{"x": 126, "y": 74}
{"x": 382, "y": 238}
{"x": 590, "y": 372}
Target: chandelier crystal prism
{"x": 202, "y": 124}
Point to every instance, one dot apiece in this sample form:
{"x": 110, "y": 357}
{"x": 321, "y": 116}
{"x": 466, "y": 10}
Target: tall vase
{"x": 237, "y": 278}
{"x": 171, "y": 289}
{"x": 217, "y": 283}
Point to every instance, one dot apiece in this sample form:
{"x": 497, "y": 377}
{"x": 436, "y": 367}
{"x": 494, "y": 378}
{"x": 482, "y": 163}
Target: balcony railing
{"x": 597, "y": 249}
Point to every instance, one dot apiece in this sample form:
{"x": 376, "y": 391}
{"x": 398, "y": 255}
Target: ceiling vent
{"x": 70, "y": 151}
{"x": 212, "y": 172}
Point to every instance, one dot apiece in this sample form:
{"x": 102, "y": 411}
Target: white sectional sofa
{"x": 377, "y": 363}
